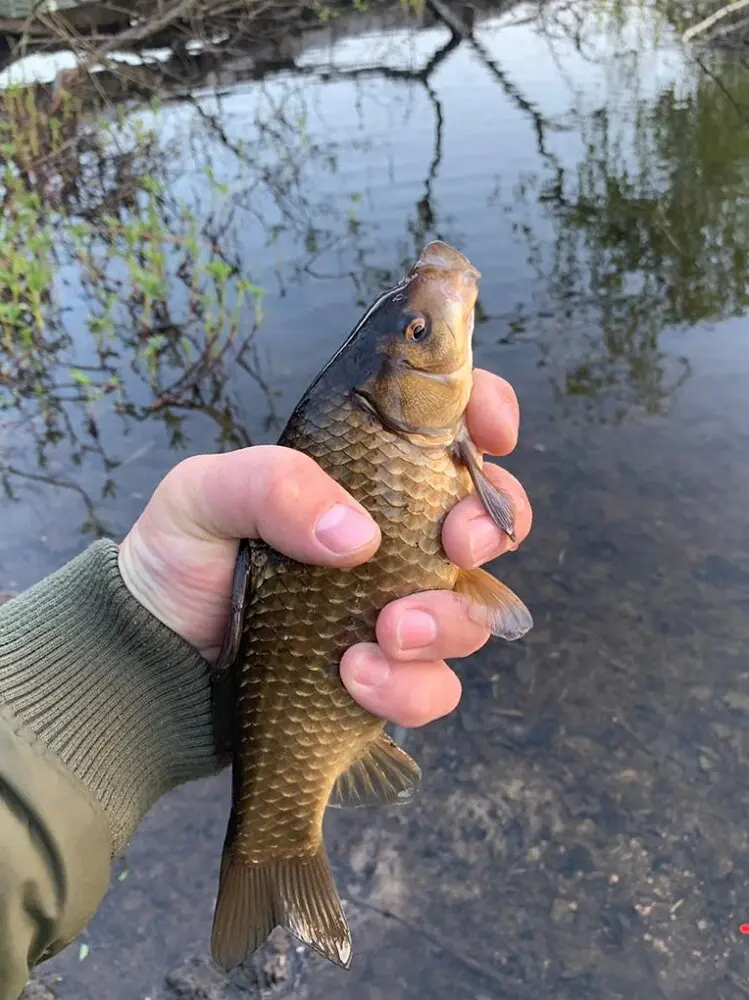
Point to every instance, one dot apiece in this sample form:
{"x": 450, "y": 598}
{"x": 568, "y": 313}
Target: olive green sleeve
{"x": 121, "y": 700}
{"x": 103, "y": 710}
{"x": 55, "y": 850}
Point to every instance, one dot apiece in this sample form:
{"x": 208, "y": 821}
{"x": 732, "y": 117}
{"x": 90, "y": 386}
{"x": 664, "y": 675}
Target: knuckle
{"x": 456, "y": 695}
{"x": 293, "y": 482}
{"x": 282, "y": 492}
{"x": 420, "y": 707}
{"x": 386, "y": 625}
{"x": 178, "y": 485}
{"x": 416, "y": 705}
{"x": 285, "y": 473}
{"x": 475, "y": 637}
{"x": 187, "y": 467}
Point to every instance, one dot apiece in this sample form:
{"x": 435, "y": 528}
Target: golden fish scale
{"x": 299, "y": 728}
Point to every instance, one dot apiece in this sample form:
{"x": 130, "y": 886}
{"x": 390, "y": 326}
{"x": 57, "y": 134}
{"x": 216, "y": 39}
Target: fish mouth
{"x": 442, "y": 272}
{"x": 442, "y": 259}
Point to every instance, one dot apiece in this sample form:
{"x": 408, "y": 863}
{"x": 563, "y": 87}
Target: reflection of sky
{"x": 385, "y": 129}
{"x": 43, "y": 68}
{"x": 380, "y": 135}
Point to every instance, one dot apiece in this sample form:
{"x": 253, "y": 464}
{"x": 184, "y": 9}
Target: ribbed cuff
{"x": 120, "y": 698}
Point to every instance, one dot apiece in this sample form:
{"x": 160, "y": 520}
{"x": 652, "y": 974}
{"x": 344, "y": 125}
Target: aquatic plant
{"x": 108, "y": 284}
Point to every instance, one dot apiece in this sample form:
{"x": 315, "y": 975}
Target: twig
{"x": 708, "y": 22}
{"x": 499, "y": 978}
{"x": 741, "y": 111}
{"x": 65, "y": 484}
{"x": 142, "y": 30}
{"x": 463, "y": 32}
{"x": 453, "y": 22}
{"x": 729, "y": 29}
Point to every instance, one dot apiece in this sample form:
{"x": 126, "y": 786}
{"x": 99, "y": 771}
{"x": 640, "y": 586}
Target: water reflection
{"x": 114, "y": 297}
{"x": 650, "y": 228}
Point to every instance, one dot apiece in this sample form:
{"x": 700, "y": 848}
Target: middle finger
{"x": 432, "y": 625}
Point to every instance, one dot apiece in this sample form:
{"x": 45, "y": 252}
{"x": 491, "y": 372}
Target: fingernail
{"x": 485, "y": 540}
{"x": 343, "y": 529}
{"x": 370, "y": 669}
{"x": 415, "y": 629}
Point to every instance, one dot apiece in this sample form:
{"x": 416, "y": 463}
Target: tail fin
{"x": 296, "y": 893}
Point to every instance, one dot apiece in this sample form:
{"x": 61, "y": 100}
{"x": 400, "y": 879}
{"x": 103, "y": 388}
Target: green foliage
{"x": 107, "y": 283}
{"x": 651, "y": 224}
{"x": 328, "y": 10}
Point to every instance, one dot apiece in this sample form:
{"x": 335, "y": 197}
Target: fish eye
{"x": 417, "y": 328}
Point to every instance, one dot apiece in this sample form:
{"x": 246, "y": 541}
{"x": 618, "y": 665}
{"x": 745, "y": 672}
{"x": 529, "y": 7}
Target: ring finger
{"x": 407, "y": 694}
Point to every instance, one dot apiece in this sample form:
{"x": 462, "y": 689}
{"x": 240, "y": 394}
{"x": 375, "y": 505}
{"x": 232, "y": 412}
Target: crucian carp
{"x": 385, "y": 418}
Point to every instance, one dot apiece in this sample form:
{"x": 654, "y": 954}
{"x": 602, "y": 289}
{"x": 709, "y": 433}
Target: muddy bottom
{"x": 581, "y": 831}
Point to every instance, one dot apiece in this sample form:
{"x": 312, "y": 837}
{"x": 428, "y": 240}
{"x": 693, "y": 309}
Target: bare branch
{"x": 702, "y": 26}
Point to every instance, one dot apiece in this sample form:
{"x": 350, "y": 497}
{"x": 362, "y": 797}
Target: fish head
{"x": 411, "y": 356}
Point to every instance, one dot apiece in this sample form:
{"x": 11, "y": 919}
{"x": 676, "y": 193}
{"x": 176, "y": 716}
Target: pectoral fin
{"x": 223, "y": 680}
{"x": 239, "y": 591}
{"x": 497, "y": 503}
{"x": 384, "y": 775}
{"x": 506, "y": 615}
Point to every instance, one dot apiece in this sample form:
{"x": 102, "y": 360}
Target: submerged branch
{"x": 453, "y": 22}
{"x": 702, "y": 26}
{"x": 437, "y": 941}
{"x": 94, "y": 523}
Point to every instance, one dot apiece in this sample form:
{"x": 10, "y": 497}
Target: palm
{"x": 189, "y": 579}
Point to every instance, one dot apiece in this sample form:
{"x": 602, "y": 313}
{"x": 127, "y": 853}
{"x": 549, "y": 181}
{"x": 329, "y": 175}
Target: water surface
{"x": 582, "y": 828}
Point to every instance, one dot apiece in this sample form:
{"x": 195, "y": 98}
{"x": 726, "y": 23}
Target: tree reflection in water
{"x": 650, "y": 229}
{"x": 651, "y": 225}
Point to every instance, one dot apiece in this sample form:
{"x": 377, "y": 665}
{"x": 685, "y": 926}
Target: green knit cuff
{"x": 120, "y": 698}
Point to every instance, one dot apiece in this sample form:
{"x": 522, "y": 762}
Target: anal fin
{"x": 383, "y": 775}
{"x": 298, "y": 894}
{"x": 506, "y": 615}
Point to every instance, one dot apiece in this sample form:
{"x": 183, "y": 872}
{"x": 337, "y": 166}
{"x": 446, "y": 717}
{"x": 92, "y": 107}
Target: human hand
{"x": 178, "y": 558}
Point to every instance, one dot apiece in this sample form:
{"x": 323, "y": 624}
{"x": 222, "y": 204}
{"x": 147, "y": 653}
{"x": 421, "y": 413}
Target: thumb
{"x": 273, "y": 493}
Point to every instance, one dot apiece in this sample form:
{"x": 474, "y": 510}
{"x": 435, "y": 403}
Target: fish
{"x": 385, "y": 418}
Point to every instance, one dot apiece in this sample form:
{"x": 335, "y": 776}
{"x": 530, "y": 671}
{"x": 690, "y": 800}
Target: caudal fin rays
{"x": 310, "y": 908}
{"x": 245, "y": 912}
{"x": 298, "y": 894}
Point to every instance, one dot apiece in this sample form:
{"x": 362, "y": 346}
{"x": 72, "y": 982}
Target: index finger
{"x": 493, "y": 414}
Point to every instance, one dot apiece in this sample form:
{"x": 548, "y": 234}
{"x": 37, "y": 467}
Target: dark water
{"x": 582, "y": 831}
